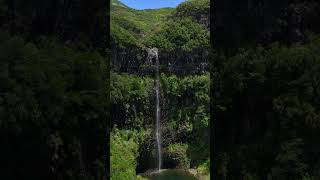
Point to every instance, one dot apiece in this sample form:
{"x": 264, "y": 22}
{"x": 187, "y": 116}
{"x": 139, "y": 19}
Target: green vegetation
{"x": 184, "y": 100}
{"x": 53, "y": 89}
{"x": 273, "y": 94}
{"x": 205, "y": 167}
{"x": 193, "y": 8}
{"x": 129, "y": 26}
{"x": 178, "y": 154}
{"x": 166, "y": 28}
{"x": 187, "y": 112}
{"x": 123, "y": 153}
{"x": 184, "y": 109}
{"x": 182, "y": 33}
{"x": 50, "y": 94}
{"x": 118, "y": 3}
{"x": 130, "y": 97}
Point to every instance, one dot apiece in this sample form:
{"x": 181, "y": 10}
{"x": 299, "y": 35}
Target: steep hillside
{"x": 185, "y": 27}
{"x": 118, "y": 3}
{"x": 129, "y": 26}
{"x": 198, "y": 10}
{"x": 181, "y": 35}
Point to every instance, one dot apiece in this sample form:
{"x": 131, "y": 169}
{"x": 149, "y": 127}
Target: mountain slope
{"x": 129, "y": 26}
{"x": 198, "y": 10}
{"x": 185, "y": 27}
{"x": 118, "y": 3}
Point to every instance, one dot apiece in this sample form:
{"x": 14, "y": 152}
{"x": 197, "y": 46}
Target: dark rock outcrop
{"x": 134, "y": 60}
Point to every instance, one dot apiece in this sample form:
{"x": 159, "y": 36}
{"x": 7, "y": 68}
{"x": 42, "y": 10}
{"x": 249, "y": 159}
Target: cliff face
{"x": 181, "y": 34}
{"x": 238, "y": 23}
{"x": 133, "y": 60}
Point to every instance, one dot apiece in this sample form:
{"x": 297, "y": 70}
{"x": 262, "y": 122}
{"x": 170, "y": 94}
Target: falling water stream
{"x": 158, "y": 124}
{"x": 162, "y": 174}
{"x": 153, "y": 55}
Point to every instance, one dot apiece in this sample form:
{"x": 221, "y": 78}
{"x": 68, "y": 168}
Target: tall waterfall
{"x": 158, "y": 124}
{"x": 153, "y": 54}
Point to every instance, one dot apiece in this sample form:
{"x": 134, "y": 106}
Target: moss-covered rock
{"x": 175, "y": 156}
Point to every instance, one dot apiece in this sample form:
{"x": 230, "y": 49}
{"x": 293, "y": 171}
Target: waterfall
{"x": 158, "y": 124}
{"x": 153, "y": 54}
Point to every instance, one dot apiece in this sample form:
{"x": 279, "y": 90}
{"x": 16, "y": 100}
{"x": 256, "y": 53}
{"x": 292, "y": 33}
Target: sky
{"x": 151, "y": 4}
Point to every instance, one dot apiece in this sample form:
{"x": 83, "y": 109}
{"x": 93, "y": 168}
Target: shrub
{"x": 180, "y": 34}
{"x": 123, "y": 153}
{"x": 177, "y": 154}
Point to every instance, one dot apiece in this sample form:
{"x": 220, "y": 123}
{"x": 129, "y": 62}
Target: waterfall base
{"x": 170, "y": 174}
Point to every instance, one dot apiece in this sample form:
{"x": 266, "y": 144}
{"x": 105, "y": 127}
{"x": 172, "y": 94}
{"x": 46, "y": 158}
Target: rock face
{"x": 152, "y": 55}
{"x": 135, "y": 60}
{"x": 203, "y": 19}
{"x": 239, "y": 23}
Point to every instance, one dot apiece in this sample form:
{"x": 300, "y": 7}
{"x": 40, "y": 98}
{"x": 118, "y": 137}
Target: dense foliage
{"x": 67, "y": 20}
{"x": 266, "y": 112}
{"x": 53, "y": 101}
{"x": 186, "y": 113}
{"x": 196, "y": 9}
{"x": 130, "y": 99}
{"x": 184, "y": 100}
{"x": 184, "y": 29}
{"x": 182, "y": 33}
{"x": 123, "y": 153}
{"x": 166, "y": 28}
{"x": 184, "y": 116}
{"x": 53, "y": 89}
{"x": 177, "y": 153}
{"x": 129, "y": 26}
{"x": 246, "y": 23}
